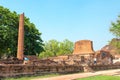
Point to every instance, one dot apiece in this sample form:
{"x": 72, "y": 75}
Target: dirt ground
{"x": 115, "y": 72}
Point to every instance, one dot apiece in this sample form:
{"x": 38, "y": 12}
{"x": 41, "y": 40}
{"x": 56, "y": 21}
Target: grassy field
{"x": 101, "y": 77}
{"x": 29, "y": 78}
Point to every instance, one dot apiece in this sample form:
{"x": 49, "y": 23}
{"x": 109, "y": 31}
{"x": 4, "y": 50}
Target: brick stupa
{"x": 83, "y": 47}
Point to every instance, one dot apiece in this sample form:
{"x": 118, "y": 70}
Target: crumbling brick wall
{"x": 15, "y": 70}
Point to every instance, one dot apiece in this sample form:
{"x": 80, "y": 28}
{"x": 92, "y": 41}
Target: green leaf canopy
{"x": 9, "y": 22}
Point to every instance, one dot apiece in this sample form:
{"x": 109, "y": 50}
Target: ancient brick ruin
{"x": 42, "y": 67}
{"x": 20, "y": 49}
{"x": 104, "y": 57}
{"x": 83, "y": 47}
{"x": 61, "y": 64}
{"x": 80, "y": 61}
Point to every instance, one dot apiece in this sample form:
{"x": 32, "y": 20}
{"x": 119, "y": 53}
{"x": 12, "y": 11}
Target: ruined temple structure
{"x": 113, "y": 51}
{"x": 20, "y": 49}
{"x": 104, "y": 57}
{"x": 81, "y": 60}
{"x": 84, "y": 49}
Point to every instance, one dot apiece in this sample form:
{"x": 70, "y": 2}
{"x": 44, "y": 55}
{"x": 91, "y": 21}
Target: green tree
{"x": 115, "y": 43}
{"x": 9, "y": 22}
{"x": 55, "y": 48}
{"x": 115, "y": 30}
{"x": 50, "y": 49}
{"x": 66, "y": 47}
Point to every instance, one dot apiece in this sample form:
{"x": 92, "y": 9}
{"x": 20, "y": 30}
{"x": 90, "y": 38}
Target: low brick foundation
{"x": 105, "y": 67}
{"x": 18, "y": 70}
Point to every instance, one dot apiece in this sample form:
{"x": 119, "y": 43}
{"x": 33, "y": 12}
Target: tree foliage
{"x": 55, "y": 48}
{"x": 115, "y": 43}
{"x": 115, "y": 29}
{"x": 9, "y": 22}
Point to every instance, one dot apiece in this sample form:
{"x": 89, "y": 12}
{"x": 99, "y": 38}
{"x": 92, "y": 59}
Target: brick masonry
{"x": 20, "y": 50}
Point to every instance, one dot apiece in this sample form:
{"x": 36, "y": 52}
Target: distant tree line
{"x": 56, "y": 48}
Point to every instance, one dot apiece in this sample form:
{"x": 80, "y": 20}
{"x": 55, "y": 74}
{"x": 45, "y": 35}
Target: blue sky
{"x": 70, "y": 19}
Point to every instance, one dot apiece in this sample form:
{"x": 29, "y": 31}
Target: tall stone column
{"x": 20, "y": 49}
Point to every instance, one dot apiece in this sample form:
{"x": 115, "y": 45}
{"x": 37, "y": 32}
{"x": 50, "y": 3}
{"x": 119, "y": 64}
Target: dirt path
{"x": 82, "y": 75}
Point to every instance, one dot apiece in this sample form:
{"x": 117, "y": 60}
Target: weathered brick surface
{"x": 83, "y": 47}
{"x": 20, "y": 51}
{"x": 17, "y": 70}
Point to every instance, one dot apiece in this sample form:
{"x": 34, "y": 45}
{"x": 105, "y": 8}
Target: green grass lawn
{"x": 101, "y": 77}
{"x": 29, "y": 78}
